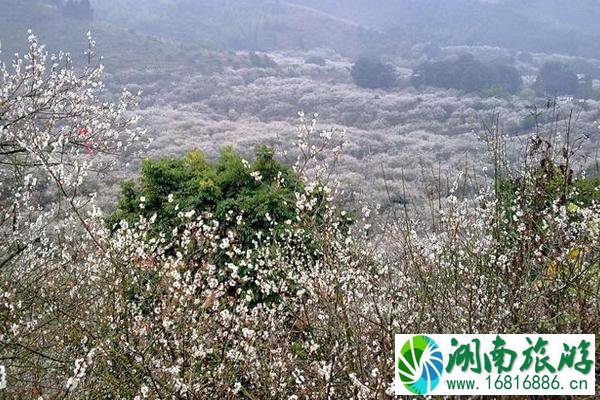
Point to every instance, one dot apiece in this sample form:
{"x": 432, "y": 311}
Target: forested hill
{"x": 552, "y": 26}
{"x": 121, "y": 47}
{"x": 350, "y": 27}
{"x": 240, "y": 24}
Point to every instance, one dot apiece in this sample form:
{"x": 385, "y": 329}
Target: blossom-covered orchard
{"x": 305, "y": 308}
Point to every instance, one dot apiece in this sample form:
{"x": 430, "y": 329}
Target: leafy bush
{"x": 372, "y": 73}
{"x": 261, "y": 190}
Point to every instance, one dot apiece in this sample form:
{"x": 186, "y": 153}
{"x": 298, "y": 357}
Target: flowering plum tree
{"x": 54, "y": 133}
{"x": 157, "y": 304}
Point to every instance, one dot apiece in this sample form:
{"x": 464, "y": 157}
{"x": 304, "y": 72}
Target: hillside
{"x": 240, "y": 24}
{"x": 577, "y": 15}
{"x": 551, "y": 26}
{"x": 121, "y": 48}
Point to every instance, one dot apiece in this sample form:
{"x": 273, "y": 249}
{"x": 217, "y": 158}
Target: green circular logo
{"x": 420, "y": 364}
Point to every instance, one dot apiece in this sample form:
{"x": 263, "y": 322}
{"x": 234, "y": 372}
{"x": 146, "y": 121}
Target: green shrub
{"x": 169, "y": 186}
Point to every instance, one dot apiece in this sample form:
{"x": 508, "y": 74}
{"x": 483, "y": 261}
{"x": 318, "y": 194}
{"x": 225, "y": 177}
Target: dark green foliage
{"x": 220, "y": 187}
{"x": 586, "y": 191}
{"x": 372, "y": 73}
{"x": 468, "y": 74}
{"x": 556, "y": 79}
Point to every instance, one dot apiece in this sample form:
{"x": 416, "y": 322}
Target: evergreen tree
{"x": 468, "y": 74}
{"x": 556, "y": 79}
{"x": 373, "y": 74}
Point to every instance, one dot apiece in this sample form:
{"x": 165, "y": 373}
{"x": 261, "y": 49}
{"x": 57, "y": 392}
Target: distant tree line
{"x": 466, "y": 73}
